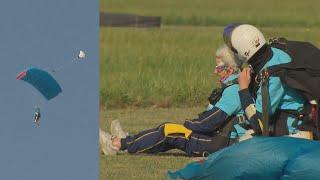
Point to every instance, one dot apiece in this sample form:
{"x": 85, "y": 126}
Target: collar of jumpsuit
{"x": 260, "y": 59}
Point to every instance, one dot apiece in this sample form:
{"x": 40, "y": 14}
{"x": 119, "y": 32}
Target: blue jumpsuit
{"x": 201, "y": 135}
{"x": 281, "y": 97}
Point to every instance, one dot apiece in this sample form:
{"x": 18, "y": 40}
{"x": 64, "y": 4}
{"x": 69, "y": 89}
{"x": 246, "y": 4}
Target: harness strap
{"x": 315, "y": 112}
{"x": 242, "y": 122}
{"x": 265, "y": 102}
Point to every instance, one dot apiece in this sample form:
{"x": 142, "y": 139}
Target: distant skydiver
{"x": 43, "y": 82}
{"x": 37, "y": 116}
{"x": 79, "y": 57}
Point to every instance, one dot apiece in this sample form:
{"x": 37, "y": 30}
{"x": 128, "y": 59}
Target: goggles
{"x": 220, "y": 68}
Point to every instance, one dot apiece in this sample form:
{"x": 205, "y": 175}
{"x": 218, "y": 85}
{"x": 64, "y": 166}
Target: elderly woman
{"x": 207, "y": 133}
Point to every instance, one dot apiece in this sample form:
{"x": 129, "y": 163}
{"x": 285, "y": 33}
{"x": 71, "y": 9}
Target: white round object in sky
{"x": 82, "y": 54}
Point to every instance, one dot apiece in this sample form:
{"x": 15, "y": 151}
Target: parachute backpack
{"x": 302, "y": 74}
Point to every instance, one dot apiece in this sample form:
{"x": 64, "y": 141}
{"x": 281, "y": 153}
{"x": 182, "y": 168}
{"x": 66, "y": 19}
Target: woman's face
{"x": 221, "y": 69}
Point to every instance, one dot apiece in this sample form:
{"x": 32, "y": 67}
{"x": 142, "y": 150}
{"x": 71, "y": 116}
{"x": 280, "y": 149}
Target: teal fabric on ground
{"x": 191, "y": 170}
{"x": 259, "y": 158}
{"x": 305, "y": 166}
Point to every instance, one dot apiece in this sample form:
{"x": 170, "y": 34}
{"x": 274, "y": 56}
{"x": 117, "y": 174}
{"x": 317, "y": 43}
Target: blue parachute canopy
{"x": 42, "y": 81}
{"x": 258, "y": 158}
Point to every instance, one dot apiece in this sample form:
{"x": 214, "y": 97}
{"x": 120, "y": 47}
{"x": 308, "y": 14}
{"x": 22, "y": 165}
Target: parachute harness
{"x": 264, "y": 83}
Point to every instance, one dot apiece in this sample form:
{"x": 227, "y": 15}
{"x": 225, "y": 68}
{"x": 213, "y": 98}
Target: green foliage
{"x": 275, "y": 13}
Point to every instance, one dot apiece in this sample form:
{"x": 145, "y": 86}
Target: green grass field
{"x": 274, "y": 13}
{"x": 154, "y": 75}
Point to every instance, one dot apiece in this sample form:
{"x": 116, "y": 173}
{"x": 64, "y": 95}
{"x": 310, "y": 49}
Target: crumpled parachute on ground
{"x": 258, "y": 158}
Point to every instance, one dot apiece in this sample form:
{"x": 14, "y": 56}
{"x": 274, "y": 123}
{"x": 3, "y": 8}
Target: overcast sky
{"x": 48, "y": 34}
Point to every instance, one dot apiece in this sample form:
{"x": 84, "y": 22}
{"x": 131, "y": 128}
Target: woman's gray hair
{"x": 228, "y": 57}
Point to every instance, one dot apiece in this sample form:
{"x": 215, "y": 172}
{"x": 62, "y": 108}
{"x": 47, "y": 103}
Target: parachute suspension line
{"x": 80, "y": 56}
{"x": 55, "y": 70}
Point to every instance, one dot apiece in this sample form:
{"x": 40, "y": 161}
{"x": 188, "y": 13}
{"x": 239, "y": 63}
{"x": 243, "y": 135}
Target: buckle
{"x": 241, "y": 119}
{"x": 262, "y": 76}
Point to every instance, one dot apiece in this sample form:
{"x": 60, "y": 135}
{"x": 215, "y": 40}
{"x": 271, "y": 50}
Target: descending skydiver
{"x": 208, "y": 133}
{"x": 80, "y": 57}
{"x": 37, "y": 116}
{"x": 43, "y": 82}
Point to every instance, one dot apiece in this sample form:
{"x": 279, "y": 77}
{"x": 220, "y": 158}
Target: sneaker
{"x": 105, "y": 140}
{"x": 117, "y": 130}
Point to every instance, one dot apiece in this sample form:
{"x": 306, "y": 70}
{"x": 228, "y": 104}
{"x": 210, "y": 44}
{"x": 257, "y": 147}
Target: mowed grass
{"x": 166, "y": 67}
{"x": 271, "y": 13}
{"x": 156, "y": 67}
{"x": 126, "y": 166}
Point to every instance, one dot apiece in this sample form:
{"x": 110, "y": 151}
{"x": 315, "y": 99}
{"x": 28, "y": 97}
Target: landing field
{"x": 153, "y": 75}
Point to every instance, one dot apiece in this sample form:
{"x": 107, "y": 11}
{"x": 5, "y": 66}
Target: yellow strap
{"x": 261, "y": 125}
{"x": 176, "y": 128}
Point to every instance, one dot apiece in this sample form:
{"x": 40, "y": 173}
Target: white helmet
{"x": 244, "y": 39}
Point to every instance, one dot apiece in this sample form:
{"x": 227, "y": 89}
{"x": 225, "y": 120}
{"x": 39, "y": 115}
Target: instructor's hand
{"x": 244, "y": 78}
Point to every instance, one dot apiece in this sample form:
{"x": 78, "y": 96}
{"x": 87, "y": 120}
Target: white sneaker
{"x": 117, "y": 130}
{"x": 105, "y": 140}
